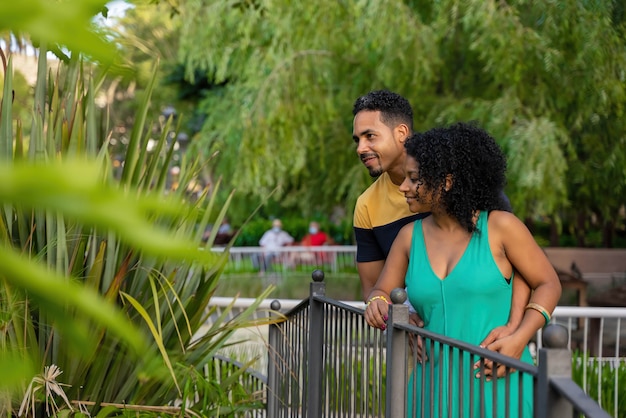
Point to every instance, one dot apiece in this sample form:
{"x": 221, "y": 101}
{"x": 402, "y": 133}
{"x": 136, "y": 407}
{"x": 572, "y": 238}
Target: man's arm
{"x": 368, "y": 273}
{"x": 519, "y": 300}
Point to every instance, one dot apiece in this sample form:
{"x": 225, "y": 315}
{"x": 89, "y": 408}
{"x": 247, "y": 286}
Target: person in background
{"x": 225, "y": 227}
{"x": 314, "y": 237}
{"x": 271, "y": 241}
{"x": 224, "y": 233}
{"x": 458, "y": 266}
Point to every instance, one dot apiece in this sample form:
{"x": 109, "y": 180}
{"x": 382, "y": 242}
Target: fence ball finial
{"x": 555, "y": 336}
{"x": 398, "y": 296}
{"x": 275, "y": 305}
{"x": 318, "y": 275}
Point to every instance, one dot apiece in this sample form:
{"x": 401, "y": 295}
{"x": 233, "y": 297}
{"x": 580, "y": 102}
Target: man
{"x": 383, "y": 120}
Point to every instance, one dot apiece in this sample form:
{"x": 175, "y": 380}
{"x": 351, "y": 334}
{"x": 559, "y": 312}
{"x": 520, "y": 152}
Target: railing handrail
{"x": 568, "y": 389}
{"x": 589, "y": 312}
{"x": 290, "y": 248}
{"x": 559, "y": 311}
{"x": 483, "y": 352}
{"x": 473, "y": 349}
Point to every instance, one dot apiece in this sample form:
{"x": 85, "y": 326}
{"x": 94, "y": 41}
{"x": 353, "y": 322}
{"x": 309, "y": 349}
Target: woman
{"x": 457, "y": 264}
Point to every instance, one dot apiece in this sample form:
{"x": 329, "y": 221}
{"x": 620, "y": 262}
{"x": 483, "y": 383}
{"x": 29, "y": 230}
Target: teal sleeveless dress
{"x": 471, "y": 301}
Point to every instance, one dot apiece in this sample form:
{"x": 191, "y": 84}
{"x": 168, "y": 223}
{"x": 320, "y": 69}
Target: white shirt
{"x": 272, "y": 240}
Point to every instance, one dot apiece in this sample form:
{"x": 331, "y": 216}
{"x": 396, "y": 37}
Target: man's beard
{"x": 376, "y": 171}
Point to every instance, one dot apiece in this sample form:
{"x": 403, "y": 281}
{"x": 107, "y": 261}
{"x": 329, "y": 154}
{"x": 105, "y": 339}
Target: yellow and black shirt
{"x": 381, "y": 211}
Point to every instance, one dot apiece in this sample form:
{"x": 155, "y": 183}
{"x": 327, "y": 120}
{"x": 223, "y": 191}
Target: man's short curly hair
{"x": 394, "y": 109}
{"x": 473, "y": 159}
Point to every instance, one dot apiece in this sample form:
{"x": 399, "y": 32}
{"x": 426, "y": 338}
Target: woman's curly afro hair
{"x": 473, "y": 159}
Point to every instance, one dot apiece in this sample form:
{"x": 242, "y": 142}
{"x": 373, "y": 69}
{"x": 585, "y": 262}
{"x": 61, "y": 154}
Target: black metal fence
{"x": 325, "y": 361}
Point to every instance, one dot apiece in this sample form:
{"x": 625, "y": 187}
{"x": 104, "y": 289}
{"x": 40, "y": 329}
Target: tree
{"x": 545, "y": 78}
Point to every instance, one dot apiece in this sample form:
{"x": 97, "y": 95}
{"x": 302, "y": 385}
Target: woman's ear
{"x": 449, "y": 182}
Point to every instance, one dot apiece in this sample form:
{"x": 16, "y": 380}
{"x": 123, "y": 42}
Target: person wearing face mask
{"x": 314, "y": 238}
{"x": 271, "y": 241}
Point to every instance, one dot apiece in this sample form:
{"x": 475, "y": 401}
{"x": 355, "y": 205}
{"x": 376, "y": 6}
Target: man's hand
{"x": 509, "y": 346}
{"x": 417, "y": 344}
{"x": 497, "y": 333}
{"x": 414, "y": 319}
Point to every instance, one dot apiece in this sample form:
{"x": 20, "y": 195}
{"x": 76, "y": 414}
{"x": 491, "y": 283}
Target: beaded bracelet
{"x": 376, "y": 297}
{"x": 539, "y": 309}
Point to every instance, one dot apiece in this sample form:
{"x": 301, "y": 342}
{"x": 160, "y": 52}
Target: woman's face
{"x": 418, "y": 196}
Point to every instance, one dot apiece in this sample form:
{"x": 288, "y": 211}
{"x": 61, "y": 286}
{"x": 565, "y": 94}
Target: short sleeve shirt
{"x": 381, "y": 211}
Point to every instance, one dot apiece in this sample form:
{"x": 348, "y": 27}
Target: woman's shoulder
{"x": 502, "y": 220}
{"x": 407, "y": 230}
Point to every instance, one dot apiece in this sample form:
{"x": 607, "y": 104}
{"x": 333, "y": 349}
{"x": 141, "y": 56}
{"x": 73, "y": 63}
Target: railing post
{"x": 315, "y": 364}
{"x": 395, "y": 397}
{"x": 554, "y": 361}
{"x": 272, "y": 371}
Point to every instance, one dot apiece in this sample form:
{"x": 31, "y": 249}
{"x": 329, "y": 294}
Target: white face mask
{"x": 276, "y": 229}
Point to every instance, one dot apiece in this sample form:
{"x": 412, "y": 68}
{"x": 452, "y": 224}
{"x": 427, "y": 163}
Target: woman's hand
{"x": 376, "y": 313}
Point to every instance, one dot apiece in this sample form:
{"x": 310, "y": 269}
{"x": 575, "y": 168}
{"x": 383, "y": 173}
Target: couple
{"x": 436, "y": 222}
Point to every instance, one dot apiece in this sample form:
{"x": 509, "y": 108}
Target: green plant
{"x": 602, "y": 381}
{"x": 103, "y": 280}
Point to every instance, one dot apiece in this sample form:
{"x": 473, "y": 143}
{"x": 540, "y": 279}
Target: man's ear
{"x": 449, "y": 182}
{"x": 402, "y": 132}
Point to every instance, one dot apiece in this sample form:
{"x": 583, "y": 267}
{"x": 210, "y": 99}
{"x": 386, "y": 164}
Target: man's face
{"x": 377, "y": 145}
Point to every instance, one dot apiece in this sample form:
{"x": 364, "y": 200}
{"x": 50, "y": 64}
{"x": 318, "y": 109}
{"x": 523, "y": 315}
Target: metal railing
{"x": 325, "y": 361}
{"x": 290, "y": 259}
{"x": 595, "y": 337}
{"x": 222, "y": 368}
{"x": 334, "y": 259}
{"x": 590, "y": 371}
{"x": 335, "y": 361}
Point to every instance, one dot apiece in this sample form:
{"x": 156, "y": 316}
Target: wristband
{"x": 375, "y": 298}
{"x": 539, "y": 309}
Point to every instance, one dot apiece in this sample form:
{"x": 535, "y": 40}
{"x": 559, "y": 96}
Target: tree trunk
{"x": 554, "y": 233}
{"x": 581, "y": 229}
{"x": 607, "y": 234}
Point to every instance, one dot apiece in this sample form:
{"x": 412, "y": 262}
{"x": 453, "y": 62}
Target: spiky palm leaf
{"x": 80, "y": 247}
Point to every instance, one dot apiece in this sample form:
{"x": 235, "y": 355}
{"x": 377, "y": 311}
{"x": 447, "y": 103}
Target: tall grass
{"x": 104, "y": 279}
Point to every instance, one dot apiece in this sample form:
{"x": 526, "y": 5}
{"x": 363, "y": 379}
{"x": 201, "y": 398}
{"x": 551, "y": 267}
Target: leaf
{"x": 158, "y": 339}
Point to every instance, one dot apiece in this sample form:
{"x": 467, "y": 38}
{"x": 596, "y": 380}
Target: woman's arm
{"x": 526, "y": 257}
{"x": 391, "y": 277}
{"x": 529, "y": 259}
{"x": 514, "y": 244}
